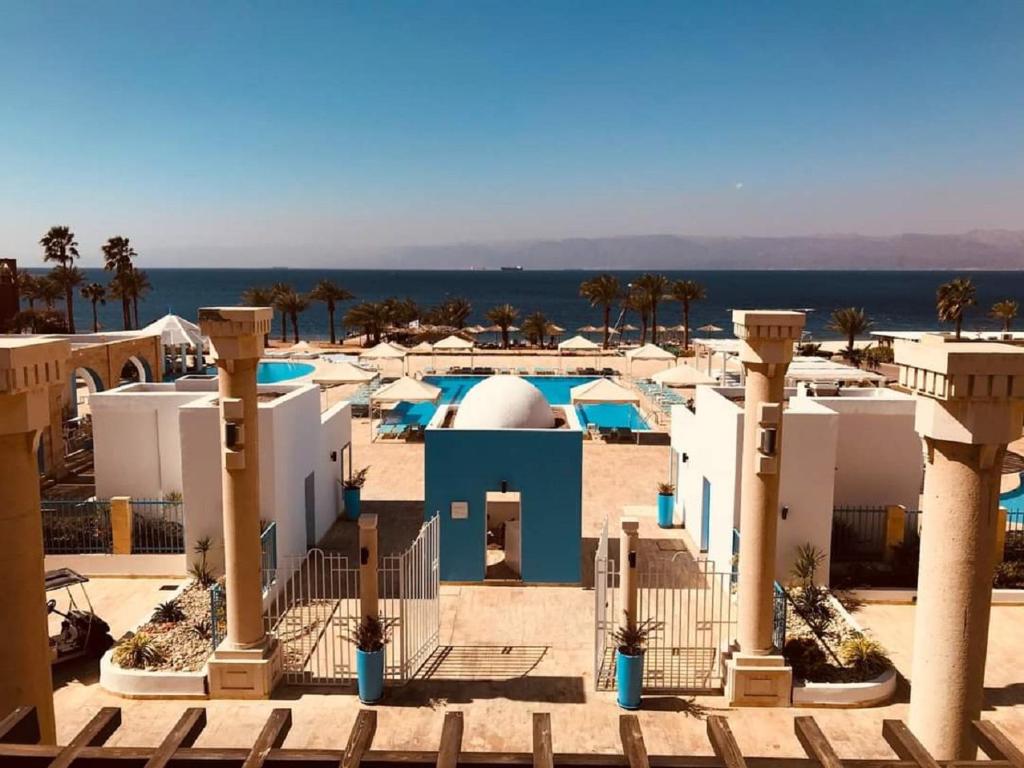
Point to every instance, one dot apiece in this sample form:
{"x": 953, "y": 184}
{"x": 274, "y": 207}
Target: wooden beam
{"x": 997, "y": 744}
{"x": 451, "y": 741}
{"x": 814, "y": 742}
{"x": 20, "y": 727}
{"x": 183, "y": 734}
{"x": 271, "y": 737}
{"x": 633, "y": 742}
{"x": 94, "y": 734}
{"x": 359, "y": 739}
{"x": 724, "y": 743}
{"x": 543, "y": 754}
{"x": 905, "y": 744}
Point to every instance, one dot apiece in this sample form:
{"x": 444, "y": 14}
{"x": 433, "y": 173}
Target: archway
{"x": 136, "y": 369}
{"x": 83, "y": 382}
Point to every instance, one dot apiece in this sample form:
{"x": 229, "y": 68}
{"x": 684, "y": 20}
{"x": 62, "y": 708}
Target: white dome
{"x": 504, "y": 402}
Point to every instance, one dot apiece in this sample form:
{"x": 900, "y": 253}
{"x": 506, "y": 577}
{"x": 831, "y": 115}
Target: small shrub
{"x": 632, "y": 640}
{"x": 202, "y": 629}
{"x": 167, "y": 613}
{"x": 174, "y": 497}
{"x": 806, "y": 563}
{"x": 866, "y": 657}
{"x": 200, "y": 571}
{"x": 1009, "y": 574}
{"x": 370, "y": 635}
{"x": 358, "y": 480}
{"x": 137, "y": 651}
{"x": 807, "y": 659}
{"x": 815, "y": 608}
{"x": 666, "y": 489}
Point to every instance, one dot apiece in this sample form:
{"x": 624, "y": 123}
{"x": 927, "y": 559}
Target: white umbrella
{"x": 580, "y": 344}
{"x": 177, "y": 332}
{"x": 404, "y": 390}
{"x": 682, "y": 375}
{"x": 385, "y": 351}
{"x": 710, "y": 328}
{"x": 342, "y": 373}
{"x": 648, "y": 352}
{"x": 602, "y": 391}
{"x": 455, "y": 344}
{"x": 423, "y": 346}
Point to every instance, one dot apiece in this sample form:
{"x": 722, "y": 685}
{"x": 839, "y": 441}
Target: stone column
{"x": 247, "y": 663}
{"x": 629, "y": 583}
{"x": 766, "y": 349}
{"x": 369, "y": 593}
{"x": 970, "y": 404}
{"x": 28, "y": 368}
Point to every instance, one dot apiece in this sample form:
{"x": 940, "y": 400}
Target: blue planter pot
{"x": 352, "y": 502}
{"x": 370, "y": 675}
{"x": 629, "y": 679}
{"x": 665, "y": 505}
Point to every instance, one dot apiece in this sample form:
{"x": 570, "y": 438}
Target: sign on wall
{"x": 460, "y": 510}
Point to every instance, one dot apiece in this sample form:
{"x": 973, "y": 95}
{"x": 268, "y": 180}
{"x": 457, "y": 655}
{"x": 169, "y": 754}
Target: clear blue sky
{"x": 354, "y": 125}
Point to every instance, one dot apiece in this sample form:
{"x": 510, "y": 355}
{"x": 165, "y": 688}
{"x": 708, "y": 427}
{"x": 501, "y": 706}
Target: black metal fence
{"x": 76, "y": 527}
{"x": 858, "y": 533}
{"x": 158, "y": 527}
{"x": 779, "y": 617}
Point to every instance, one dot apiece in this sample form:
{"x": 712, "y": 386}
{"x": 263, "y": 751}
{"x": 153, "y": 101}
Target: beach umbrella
{"x": 423, "y": 347}
{"x": 404, "y": 390}
{"x": 455, "y": 344}
{"x": 649, "y": 352}
{"x": 682, "y": 375}
{"x": 555, "y": 330}
{"x": 710, "y": 328}
{"x": 602, "y": 391}
{"x": 176, "y": 332}
{"x": 342, "y": 373}
{"x": 628, "y": 327}
{"x": 384, "y": 351}
{"x": 588, "y": 329}
{"x": 678, "y": 328}
{"x": 579, "y": 344}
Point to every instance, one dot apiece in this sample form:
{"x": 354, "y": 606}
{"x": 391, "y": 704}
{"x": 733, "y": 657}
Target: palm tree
{"x": 503, "y": 316}
{"x": 28, "y": 288}
{"x": 1006, "y": 310}
{"x": 48, "y": 291}
{"x": 639, "y": 302}
{"x": 602, "y": 291}
{"x": 535, "y": 328}
{"x": 277, "y": 290}
{"x": 370, "y": 317}
{"x": 138, "y": 287}
{"x": 851, "y": 322}
{"x": 68, "y": 278}
{"x": 454, "y": 312}
{"x": 953, "y": 299}
{"x": 291, "y": 304}
{"x": 117, "y": 258}
{"x": 686, "y": 292}
{"x": 97, "y": 294}
{"x": 60, "y": 247}
{"x": 653, "y": 288}
{"x": 257, "y": 296}
{"x": 330, "y": 293}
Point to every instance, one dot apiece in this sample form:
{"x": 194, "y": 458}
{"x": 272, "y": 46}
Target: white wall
{"x": 335, "y": 434}
{"x": 136, "y": 440}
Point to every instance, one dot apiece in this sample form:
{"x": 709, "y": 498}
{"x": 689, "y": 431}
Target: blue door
{"x": 705, "y": 515}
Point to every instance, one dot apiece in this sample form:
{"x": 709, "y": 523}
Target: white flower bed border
{"x": 146, "y": 684}
{"x": 869, "y": 693}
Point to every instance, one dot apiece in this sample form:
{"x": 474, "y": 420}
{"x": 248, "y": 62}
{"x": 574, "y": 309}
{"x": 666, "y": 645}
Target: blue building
{"x": 504, "y": 473}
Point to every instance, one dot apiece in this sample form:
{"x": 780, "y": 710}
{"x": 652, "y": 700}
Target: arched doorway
{"x": 83, "y": 382}
{"x": 136, "y": 369}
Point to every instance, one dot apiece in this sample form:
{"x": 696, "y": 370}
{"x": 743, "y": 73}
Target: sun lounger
{"x": 523, "y": 371}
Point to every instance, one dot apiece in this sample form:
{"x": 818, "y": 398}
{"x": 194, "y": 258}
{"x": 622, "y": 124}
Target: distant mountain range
{"x": 978, "y": 249}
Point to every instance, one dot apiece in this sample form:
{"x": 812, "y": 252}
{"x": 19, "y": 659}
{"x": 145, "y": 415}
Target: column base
{"x": 248, "y": 674}
{"x": 758, "y": 681}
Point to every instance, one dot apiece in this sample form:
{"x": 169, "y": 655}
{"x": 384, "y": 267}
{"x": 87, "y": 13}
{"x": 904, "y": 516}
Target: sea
{"x": 893, "y": 299}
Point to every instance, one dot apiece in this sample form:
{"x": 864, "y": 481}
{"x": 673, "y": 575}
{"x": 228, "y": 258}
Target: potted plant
{"x": 351, "y": 493}
{"x": 370, "y": 637}
{"x": 630, "y": 641}
{"x": 666, "y": 504}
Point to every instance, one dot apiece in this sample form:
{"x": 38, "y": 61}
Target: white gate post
{"x": 628, "y": 581}
{"x": 368, "y": 589}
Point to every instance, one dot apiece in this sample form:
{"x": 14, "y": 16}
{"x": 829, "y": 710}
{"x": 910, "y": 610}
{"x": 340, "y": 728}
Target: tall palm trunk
{"x": 654, "y": 323}
{"x": 643, "y": 328}
{"x": 959, "y": 323}
{"x": 504, "y": 338}
{"x": 70, "y": 303}
{"x": 295, "y": 326}
{"x": 607, "y": 321}
{"x": 330, "y": 321}
{"x": 284, "y": 326}
{"x": 95, "y": 318}
{"x": 126, "y": 313}
{"x": 135, "y": 310}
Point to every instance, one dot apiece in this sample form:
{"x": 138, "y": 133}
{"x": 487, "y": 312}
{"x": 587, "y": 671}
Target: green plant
{"x": 137, "y": 651}
{"x": 200, "y": 570}
{"x": 167, "y": 613}
{"x": 666, "y": 489}
{"x": 631, "y": 638}
{"x": 807, "y": 659}
{"x": 173, "y": 497}
{"x": 203, "y": 629}
{"x": 1009, "y": 574}
{"x": 866, "y": 657}
{"x": 815, "y": 608}
{"x": 357, "y": 480}
{"x": 806, "y": 563}
{"x": 370, "y": 635}
{"x": 808, "y": 349}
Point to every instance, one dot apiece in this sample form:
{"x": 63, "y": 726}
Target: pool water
{"x": 556, "y": 389}
{"x": 275, "y": 371}
{"x": 1013, "y": 501}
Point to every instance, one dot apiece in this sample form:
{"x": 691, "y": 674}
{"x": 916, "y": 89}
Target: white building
{"x": 853, "y": 447}
{"x": 154, "y": 439}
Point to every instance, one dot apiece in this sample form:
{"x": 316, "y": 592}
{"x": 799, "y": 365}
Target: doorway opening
{"x": 503, "y": 536}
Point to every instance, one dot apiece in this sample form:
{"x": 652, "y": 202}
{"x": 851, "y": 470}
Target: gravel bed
{"x": 183, "y": 648}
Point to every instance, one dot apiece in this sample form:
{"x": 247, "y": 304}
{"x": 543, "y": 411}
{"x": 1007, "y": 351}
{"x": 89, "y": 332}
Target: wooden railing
{"x": 19, "y": 734}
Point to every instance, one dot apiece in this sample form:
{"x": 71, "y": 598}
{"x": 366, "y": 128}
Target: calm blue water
{"x": 898, "y": 300}
{"x": 273, "y": 372}
{"x": 556, "y": 390}
{"x": 1014, "y": 503}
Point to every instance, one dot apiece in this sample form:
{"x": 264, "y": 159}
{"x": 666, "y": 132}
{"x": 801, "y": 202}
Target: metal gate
{"x": 316, "y": 609}
{"x": 691, "y": 612}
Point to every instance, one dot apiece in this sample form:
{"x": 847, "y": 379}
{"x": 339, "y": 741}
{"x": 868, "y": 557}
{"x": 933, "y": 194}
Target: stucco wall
{"x": 545, "y": 466}
{"x": 335, "y": 434}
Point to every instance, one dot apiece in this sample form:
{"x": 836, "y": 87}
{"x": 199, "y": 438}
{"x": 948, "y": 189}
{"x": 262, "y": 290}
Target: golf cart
{"x": 82, "y": 632}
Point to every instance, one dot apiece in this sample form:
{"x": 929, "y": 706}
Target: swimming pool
{"x": 556, "y": 389}
{"x": 275, "y": 371}
{"x": 1013, "y": 501}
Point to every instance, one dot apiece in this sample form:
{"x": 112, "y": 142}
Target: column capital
{"x": 967, "y": 392}
{"x": 236, "y": 332}
{"x": 28, "y": 368}
{"x": 767, "y": 336}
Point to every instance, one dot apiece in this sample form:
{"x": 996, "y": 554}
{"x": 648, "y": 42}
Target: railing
{"x": 76, "y": 527}
{"x": 268, "y": 556}
{"x": 158, "y": 527}
{"x": 735, "y": 560}
{"x": 779, "y": 617}
{"x": 218, "y": 615}
{"x": 858, "y": 533}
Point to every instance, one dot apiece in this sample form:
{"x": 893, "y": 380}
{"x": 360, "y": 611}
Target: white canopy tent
{"x": 455, "y": 344}
{"x": 342, "y": 373}
{"x": 176, "y": 332}
{"x": 385, "y": 351}
{"x": 403, "y": 390}
{"x": 423, "y": 348}
{"x": 579, "y": 344}
{"x": 649, "y": 352}
{"x": 682, "y": 375}
{"x": 602, "y": 391}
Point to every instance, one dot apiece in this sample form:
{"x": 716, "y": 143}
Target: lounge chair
{"x": 522, "y": 371}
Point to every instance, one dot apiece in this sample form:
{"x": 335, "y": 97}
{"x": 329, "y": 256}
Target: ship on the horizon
{"x": 513, "y": 268}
